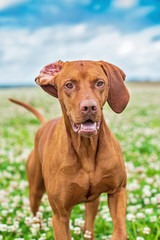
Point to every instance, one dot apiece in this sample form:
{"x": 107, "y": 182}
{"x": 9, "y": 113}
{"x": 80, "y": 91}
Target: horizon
{"x": 28, "y": 84}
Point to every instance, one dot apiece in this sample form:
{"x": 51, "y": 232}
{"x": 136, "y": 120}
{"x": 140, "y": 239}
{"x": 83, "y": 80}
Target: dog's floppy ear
{"x": 118, "y": 95}
{"x": 46, "y": 78}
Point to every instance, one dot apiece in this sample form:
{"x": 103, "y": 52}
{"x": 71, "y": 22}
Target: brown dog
{"x": 76, "y": 157}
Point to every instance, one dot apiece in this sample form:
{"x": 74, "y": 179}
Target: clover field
{"x": 138, "y": 131}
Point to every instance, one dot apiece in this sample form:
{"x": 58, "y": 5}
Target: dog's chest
{"x": 91, "y": 185}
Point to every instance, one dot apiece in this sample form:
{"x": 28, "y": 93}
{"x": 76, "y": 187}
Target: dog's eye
{"x": 69, "y": 85}
{"x": 99, "y": 83}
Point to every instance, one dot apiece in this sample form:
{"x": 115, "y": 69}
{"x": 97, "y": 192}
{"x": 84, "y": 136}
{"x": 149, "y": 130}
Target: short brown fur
{"x": 73, "y": 168}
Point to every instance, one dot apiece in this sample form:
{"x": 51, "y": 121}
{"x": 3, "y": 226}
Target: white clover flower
{"x": 43, "y": 236}
{"x": 76, "y": 221}
{"x": 154, "y": 190}
{"x": 41, "y": 209}
{"x": 12, "y": 228}
{"x": 9, "y": 221}
{"x": 25, "y": 201}
{"x": 139, "y": 238}
{"x": 39, "y": 215}
{"x": 82, "y": 207}
{"x": 146, "y": 230}
{"x": 109, "y": 237}
{"x": 139, "y": 206}
{"x": 4, "y": 212}
{"x": 20, "y": 214}
{"x": 7, "y": 174}
{"x": 82, "y": 223}
{"x": 140, "y": 215}
{"x": 149, "y": 180}
{"x": 36, "y": 226}
{"x": 158, "y": 198}
{"x": 104, "y": 215}
{"x": 19, "y": 239}
{"x": 153, "y": 218}
{"x": 23, "y": 185}
{"x": 132, "y": 209}
{"x": 43, "y": 225}
{"x": 46, "y": 229}
{"x": 14, "y": 205}
{"x": 109, "y": 219}
{"x": 148, "y": 211}
{"x": 104, "y": 209}
{"x": 50, "y": 222}
{"x": 130, "y": 217}
{"x": 22, "y": 167}
{"x": 146, "y": 201}
{"x": 102, "y": 198}
{"x": 14, "y": 184}
{"x": 3, "y": 227}
{"x": 133, "y": 186}
{"x": 77, "y": 230}
{"x": 87, "y": 234}
{"x": 104, "y": 237}
{"x": 28, "y": 221}
{"x": 34, "y": 231}
{"x": 35, "y": 220}
{"x": 147, "y": 192}
{"x": 48, "y": 209}
{"x": 154, "y": 200}
{"x": 70, "y": 224}
{"x": 146, "y": 187}
{"x": 11, "y": 210}
{"x": 16, "y": 199}
{"x": 79, "y": 222}
{"x": 16, "y": 225}
{"x": 1, "y": 237}
{"x": 133, "y": 200}
{"x": 4, "y": 205}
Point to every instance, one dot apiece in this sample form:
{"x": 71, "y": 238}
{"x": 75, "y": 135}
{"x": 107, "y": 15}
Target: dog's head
{"x": 82, "y": 88}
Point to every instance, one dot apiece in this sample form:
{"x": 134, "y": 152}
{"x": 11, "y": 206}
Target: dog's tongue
{"x": 88, "y": 126}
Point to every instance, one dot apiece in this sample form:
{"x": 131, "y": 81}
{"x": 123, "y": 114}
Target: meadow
{"x": 138, "y": 131}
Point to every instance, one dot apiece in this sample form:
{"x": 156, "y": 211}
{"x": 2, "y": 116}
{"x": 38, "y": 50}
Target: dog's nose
{"x": 88, "y": 106}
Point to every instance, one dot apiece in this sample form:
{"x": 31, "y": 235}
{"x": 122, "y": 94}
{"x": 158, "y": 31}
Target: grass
{"x": 138, "y": 131}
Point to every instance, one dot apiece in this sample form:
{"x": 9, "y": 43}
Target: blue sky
{"x": 34, "y": 33}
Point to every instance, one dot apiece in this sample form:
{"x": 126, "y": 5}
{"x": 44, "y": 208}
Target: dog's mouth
{"x": 86, "y": 128}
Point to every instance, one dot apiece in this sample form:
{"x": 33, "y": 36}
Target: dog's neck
{"x": 85, "y": 148}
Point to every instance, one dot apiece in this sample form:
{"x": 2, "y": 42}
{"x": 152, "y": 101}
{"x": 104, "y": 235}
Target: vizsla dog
{"x": 76, "y": 157}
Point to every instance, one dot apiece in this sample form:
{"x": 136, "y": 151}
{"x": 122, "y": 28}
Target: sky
{"x": 34, "y": 33}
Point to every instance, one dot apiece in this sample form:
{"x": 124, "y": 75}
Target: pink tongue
{"x": 88, "y": 126}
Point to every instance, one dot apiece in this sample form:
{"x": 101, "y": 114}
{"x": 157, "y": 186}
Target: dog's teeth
{"x": 95, "y": 125}
{"x": 81, "y": 125}
{"x": 98, "y": 125}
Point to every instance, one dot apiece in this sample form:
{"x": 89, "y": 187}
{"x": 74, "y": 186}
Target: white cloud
{"x": 125, "y": 3}
{"x": 7, "y": 3}
{"x": 72, "y": 2}
{"x": 126, "y": 47}
{"x": 24, "y": 53}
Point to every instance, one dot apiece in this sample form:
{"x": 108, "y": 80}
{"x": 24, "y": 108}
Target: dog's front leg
{"x": 117, "y": 204}
{"x": 91, "y": 212}
{"x": 61, "y": 226}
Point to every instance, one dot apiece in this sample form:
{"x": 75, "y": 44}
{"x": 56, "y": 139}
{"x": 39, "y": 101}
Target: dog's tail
{"x": 30, "y": 108}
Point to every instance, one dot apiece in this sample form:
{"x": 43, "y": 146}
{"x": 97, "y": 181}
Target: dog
{"x": 76, "y": 157}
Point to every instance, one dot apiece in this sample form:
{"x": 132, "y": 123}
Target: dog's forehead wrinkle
{"x": 81, "y": 70}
